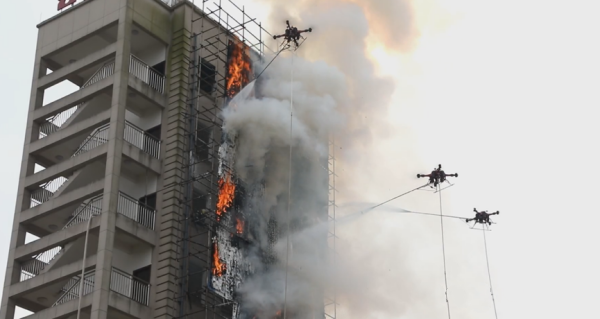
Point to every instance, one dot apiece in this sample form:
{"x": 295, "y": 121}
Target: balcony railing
{"x": 54, "y": 123}
{"x": 98, "y": 137}
{"x": 35, "y": 265}
{"x": 46, "y": 191}
{"x": 135, "y": 210}
{"x": 142, "y": 71}
{"x": 142, "y": 140}
{"x": 72, "y": 291}
{"x": 84, "y": 212}
{"x": 129, "y": 286}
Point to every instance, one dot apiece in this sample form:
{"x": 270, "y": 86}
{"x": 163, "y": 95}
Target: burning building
{"x": 183, "y": 230}
{"x": 247, "y": 257}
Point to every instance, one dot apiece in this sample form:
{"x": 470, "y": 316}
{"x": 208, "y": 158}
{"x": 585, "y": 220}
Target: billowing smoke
{"x": 335, "y": 90}
{"x": 264, "y": 136}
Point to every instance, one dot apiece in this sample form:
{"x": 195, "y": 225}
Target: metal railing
{"x": 98, "y": 137}
{"x": 147, "y": 74}
{"x": 72, "y": 292}
{"x": 34, "y": 267}
{"x": 54, "y": 123}
{"x": 46, "y": 191}
{"x": 142, "y": 140}
{"x": 129, "y": 286}
{"x": 84, "y": 212}
{"x": 135, "y": 210}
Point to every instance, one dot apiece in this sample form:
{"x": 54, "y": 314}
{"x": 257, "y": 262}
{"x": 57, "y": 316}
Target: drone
{"x": 437, "y": 176}
{"x": 292, "y": 34}
{"x": 482, "y": 217}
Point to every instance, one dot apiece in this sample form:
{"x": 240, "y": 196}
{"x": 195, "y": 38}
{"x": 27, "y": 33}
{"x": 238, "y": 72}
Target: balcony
{"x": 142, "y": 140}
{"x": 134, "y": 210}
{"x": 147, "y": 74}
{"x": 129, "y": 286}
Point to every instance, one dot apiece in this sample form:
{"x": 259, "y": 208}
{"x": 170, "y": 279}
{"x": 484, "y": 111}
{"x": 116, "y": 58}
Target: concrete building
{"x": 100, "y": 162}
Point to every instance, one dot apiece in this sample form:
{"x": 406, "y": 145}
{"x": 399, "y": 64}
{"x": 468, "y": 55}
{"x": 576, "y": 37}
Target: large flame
{"x": 218, "y": 266}
{"x": 239, "y": 68}
{"x": 239, "y": 225}
{"x": 226, "y": 194}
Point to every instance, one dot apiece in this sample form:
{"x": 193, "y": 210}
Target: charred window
{"x": 196, "y": 281}
{"x": 207, "y": 73}
{"x": 202, "y": 141}
{"x": 143, "y": 273}
{"x": 149, "y": 200}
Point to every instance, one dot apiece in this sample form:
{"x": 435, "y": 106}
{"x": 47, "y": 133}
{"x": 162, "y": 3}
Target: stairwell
{"x": 63, "y": 119}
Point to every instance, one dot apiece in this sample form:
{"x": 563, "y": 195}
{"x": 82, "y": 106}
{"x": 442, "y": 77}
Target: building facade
{"x": 99, "y": 163}
{"x": 127, "y": 181}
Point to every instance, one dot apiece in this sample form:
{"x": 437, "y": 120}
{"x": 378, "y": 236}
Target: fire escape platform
{"x": 56, "y": 239}
{"x": 64, "y": 200}
{"x": 90, "y": 60}
{"x": 73, "y": 99}
{"x": 66, "y": 167}
{"x": 62, "y": 310}
{"x": 141, "y": 158}
{"x": 148, "y": 92}
{"x": 86, "y": 127}
{"x": 53, "y": 276}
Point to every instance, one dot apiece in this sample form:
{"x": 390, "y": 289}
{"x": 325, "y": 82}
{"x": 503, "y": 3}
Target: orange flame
{"x": 239, "y": 226}
{"x": 239, "y": 68}
{"x": 219, "y": 267}
{"x": 226, "y": 194}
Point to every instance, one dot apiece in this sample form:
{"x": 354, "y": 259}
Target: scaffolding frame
{"x": 203, "y": 133}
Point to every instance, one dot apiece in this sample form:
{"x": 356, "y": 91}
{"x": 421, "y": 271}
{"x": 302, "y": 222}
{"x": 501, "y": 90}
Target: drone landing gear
{"x": 480, "y": 226}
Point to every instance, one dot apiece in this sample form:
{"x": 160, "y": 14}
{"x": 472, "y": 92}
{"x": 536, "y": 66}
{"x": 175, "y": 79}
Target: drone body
{"x": 291, "y": 34}
{"x": 437, "y": 176}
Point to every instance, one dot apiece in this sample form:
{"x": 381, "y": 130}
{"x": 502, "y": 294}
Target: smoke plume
{"x": 335, "y": 90}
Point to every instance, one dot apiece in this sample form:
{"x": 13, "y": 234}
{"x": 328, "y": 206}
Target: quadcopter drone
{"x": 482, "y": 218}
{"x": 292, "y": 34}
{"x": 437, "y": 176}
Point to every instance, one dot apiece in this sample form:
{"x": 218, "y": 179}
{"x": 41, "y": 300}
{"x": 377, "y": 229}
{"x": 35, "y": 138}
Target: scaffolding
{"x": 215, "y": 33}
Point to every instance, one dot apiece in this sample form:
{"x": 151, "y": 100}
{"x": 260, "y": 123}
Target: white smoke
{"x": 261, "y": 124}
{"x": 335, "y": 90}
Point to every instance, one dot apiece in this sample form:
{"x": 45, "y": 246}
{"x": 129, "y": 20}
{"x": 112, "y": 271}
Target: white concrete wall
{"x": 130, "y": 258}
{"x": 153, "y": 54}
{"x": 151, "y": 118}
{"x": 139, "y": 186}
